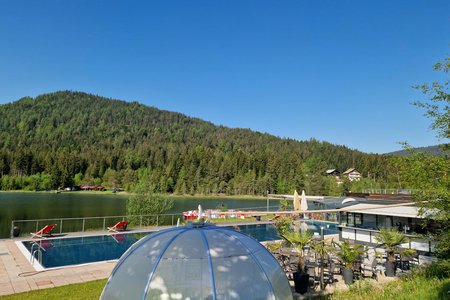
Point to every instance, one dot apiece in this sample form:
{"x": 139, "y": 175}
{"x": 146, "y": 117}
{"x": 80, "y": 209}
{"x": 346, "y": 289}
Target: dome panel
{"x": 197, "y": 261}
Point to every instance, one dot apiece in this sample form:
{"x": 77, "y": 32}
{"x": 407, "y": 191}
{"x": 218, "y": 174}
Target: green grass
{"x": 416, "y": 286}
{"x": 81, "y": 291}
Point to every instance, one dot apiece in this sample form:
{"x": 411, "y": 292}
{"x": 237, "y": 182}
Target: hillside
{"x": 436, "y": 150}
{"x": 66, "y": 138}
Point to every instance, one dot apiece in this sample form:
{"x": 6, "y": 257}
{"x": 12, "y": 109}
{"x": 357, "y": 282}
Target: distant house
{"x": 336, "y": 174}
{"x": 352, "y": 174}
{"x": 333, "y": 172}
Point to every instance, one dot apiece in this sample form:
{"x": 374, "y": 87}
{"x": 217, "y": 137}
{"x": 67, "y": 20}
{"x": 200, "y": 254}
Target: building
{"x": 352, "y": 174}
{"x": 362, "y": 221}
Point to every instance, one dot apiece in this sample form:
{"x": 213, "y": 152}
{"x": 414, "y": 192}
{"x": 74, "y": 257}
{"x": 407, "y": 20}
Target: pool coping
{"x": 39, "y": 268}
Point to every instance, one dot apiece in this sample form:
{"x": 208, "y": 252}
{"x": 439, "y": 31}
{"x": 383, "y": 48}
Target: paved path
{"x": 17, "y": 275}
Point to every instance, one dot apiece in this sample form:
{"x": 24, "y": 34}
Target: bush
{"x": 438, "y": 270}
{"x": 147, "y": 204}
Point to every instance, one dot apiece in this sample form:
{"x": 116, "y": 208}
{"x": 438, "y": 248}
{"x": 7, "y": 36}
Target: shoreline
{"x": 123, "y": 193}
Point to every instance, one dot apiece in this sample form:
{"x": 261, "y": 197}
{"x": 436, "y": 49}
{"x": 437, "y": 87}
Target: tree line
{"x": 69, "y": 138}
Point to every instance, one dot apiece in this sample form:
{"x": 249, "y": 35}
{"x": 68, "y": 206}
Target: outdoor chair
{"x": 119, "y": 226}
{"x": 46, "y": 230}
{"x": 313, "y": 279}
{"x": 370, "y": 264}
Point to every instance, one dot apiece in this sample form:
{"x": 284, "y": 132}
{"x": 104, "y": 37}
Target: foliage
{"x": 413, "y": 287}
{"x": 79, "y": 138}
{"x": 145, "y": 202}
{"x": 433, "y": 178}
{"x": 299, "y": 240}
{"x": 283, "y": 225}
{"x": 437, "y": 106}
{"x": 273, "y": 246}
{"x": 285, "y": 204}
{"x": 349, "y": 254}
{"x": 390, "y": 239}
{"x": 438, "y": 270}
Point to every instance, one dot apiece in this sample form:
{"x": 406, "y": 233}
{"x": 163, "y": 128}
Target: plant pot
{"x": 301, "y": 281}
{"x": 390, "y": 269}
{"x": 16, "y": 231}
{"x": 348, "y": 275}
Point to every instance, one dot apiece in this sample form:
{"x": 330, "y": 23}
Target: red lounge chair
{"x": 122, "y": 225}
{"x": 44, "y": 231}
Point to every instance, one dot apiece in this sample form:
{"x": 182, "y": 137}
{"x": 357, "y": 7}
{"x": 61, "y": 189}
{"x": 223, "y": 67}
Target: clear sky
{"x": 337, "y": 71}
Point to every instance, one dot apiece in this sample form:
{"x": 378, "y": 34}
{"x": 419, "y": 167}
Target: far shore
{"x": 123, "y": 193}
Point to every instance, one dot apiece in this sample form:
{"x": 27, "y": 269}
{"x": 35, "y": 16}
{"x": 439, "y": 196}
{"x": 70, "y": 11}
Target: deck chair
{"x": 46, "y": 230}
{"x": 122, "y": 225}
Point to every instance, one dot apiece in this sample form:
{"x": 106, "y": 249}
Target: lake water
{"x": 27, "y": 206}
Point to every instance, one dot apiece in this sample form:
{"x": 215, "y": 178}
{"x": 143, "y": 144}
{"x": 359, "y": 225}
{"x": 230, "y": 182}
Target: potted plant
{"x": 300, "y": 240}
{"x": 348, "y": 254}
{"x": 390, "y": 240}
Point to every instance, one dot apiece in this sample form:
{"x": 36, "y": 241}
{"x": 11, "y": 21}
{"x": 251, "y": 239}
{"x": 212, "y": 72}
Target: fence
{"x": 66, "y": 225}
{"x": 83, "y": 224}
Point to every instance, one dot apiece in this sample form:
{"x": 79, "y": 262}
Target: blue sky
{"x": 337, "y": 71}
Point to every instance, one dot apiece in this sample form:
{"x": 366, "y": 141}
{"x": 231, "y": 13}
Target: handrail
{"x": 84, "y": 226}
{"x": 236, "y": 212}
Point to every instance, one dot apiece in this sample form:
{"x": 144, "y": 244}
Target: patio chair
{"x": 313, "y": 278}
{"x": 46, "y": 230}
{"x": 120, "y": 226}
{"x": 370, "y": 264}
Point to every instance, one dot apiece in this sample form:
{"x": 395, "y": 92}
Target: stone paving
{"x": 17, "y": 275}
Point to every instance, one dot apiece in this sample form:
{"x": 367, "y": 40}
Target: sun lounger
{"x": 46, "y": 230}
{"x": 122, "y": 225}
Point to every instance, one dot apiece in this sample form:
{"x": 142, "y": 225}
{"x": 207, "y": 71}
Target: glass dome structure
{"x": 197, "y": 261}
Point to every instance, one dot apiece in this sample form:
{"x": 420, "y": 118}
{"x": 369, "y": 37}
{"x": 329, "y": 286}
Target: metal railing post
{"x": 140, "y": 223}
{"x": 12, "y": 230}
{"x": 157, "y": 220}
{"x": 83, "y": 224}
{"x": 37, "y": 226}
{"x": 172, "y": 220}
{"x": 60, "y": 226}
{"x": 104, "y": 223}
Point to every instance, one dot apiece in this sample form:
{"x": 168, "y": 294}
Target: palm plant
{"x": 299, "y": 240}
{"x": 391, "y": 239}
{"x": 349, "y": 254}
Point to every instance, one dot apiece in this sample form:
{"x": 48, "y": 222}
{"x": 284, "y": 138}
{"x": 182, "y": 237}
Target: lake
{"x": 40, "y": 205}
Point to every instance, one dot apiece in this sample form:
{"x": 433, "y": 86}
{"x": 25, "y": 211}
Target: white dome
{"x": 198, "y": 261}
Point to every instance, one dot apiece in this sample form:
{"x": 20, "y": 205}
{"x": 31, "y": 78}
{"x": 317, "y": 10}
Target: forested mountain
{"x": 436, "y": 150}
{"x": 72, "y": 138}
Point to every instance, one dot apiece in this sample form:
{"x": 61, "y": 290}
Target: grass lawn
{"x": 81, "y": 291}
{"x": 408, "y": 288}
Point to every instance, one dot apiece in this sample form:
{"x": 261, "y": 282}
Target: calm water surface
{"x": 27, "y": 206}
{"x": 37, "y": 205}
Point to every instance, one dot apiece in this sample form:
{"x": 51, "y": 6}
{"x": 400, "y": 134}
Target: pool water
{"x": 60, "y": 252}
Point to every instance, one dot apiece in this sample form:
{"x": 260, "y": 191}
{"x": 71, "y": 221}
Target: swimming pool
{"x": 58, "y": 252}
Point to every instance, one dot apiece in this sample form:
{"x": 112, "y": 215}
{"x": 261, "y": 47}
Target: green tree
{"x": 145, "y": 202}
{"x": 432, "y": 174}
